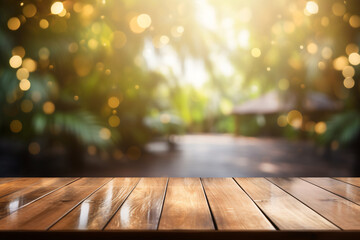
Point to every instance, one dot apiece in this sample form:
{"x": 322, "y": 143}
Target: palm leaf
{"x": 344, "y": 127}
{"x": 82, "y": 124}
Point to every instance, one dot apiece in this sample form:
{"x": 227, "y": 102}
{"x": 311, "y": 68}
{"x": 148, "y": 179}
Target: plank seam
{"x": 329, "y": 191}
{"x": 304, "y": 203}
{"x": 344, "y": 182}
{"x": 21, "y": 188}
{"x": 266, "y": 216}
{"x": 207, "y": 201}
{"x": 163, "y": 203}
{"x": 42, "y": 196}
{"x": 80, "y": 202}
{"x": 107, "y": 223}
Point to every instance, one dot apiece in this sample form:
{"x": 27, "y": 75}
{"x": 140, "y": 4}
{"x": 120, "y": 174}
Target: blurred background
{"x": 180, "y": 88}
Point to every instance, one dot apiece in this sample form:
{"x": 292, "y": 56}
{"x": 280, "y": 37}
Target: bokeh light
{"x": 354, "y": 59}
{"x": 113, "y": 102}
{"x": 14, "y": 23}
{"x": 48, "y": 107}
{"x": 312, "y": 7}
{"x": 29, "y": 10}
{"x": 320, "y": 127}
{"x": 256, "y": 52}
{"x": 339, "y": 9}
{"x": 144, "y": 20}
{"x": 295, "y": 118}
{"x": 43, "y": 23}
{"x": 282, "y": 121}
{"x": 24, "y": 85}
{"x": 29, "y": 64}
{"x": 326, "y": 53}
{"x": 351, "y": 48}
{"x": 354, "y": 21}
{"x": 114, "y": 121}
{"x": 340, "y": 63}
{"x": 15, "y": 61}
{"x": 22, "y": 73}
{"x": 349, "y": 82}
{"x": 134, "y": 26}
{"x": 15, "y": 126}
{"x": 57, "y": 7}
{"x": 312, "y": 48}
{"x": 105, "y": 134}
{"x": 348, "y": 71}
{"x": 34, "y": 148}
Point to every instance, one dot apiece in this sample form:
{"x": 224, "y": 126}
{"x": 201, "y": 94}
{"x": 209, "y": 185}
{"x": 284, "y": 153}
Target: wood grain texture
{"x": 341, "y": 212}
{"x": 343, "y": 189}
{"x": 232, "y": 208}
{"x": 5, "y": 180}
{"x": 143, "y": 207}
{"x": 13, "y": 202}
{"x": 41, "y": 214}
{"x": 354, "y": 181}
{"x": 96, "y": 211}
{"x": 16, "y": 185}
{"x": 185, "y": 206}
{"x": 286, "y": 212}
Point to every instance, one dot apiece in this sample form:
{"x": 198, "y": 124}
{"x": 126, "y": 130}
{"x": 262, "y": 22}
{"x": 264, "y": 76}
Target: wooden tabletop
{"x": 172, "y": 204}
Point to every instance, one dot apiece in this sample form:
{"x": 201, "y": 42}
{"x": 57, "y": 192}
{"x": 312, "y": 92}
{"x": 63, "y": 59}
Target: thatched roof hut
{"x": 313, "y": 104}
{"x": 272, "y": 103}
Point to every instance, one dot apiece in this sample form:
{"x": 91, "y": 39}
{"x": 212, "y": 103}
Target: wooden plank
{"x": 354, "y": 180}
{"x": 143, "y": 207}
{"x": 181, "y": 235}
{"x": 341, "y": 212}
{"x": 43, "y": 213}
{"x": 343, "y": 189}
{"x": 286, "y": 212}
{"x": 96, "y": 211}
{"x": 185, "y": 206}
{"x": 13, "y": 202}
{"x": 16, "y": 185}
{"x": 232, "y": 208}
{"x": 5, "y": 180}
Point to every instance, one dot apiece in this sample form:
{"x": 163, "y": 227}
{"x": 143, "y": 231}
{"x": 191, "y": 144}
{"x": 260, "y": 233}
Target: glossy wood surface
{"x": 143, "y": 207}
{"x": 14, "y": 201}
{"x": 341, "y": 212}
{"x": 231, "y": 207}
{"x": 41, "y": 214}
{"x": 12, "y": 186}
{"x": 185, "y": 206}
{"x": 286, "y": 212}
{"x": 5, "y": 180}
{"x": 340, "y": 188}
{"x": 96, "y": 211}
{"x": 354, "y": 181}
{"x": 179, "y": 204}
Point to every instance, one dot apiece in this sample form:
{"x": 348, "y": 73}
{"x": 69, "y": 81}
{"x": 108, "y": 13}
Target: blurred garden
{"x": 84, "y": 82}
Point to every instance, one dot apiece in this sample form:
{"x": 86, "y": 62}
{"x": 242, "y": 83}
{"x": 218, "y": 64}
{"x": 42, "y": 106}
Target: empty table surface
{"x": 180, "y": 204}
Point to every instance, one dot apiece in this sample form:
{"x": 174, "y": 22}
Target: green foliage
{"x": 343, "y": 127}
{"x": 81, "y": 124}
{"x": 188, "y": 82}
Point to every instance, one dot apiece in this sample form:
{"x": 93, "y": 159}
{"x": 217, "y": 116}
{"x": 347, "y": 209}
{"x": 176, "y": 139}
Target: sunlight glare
{"x": 243, "y": 38}
{"x": 205, "y": 14}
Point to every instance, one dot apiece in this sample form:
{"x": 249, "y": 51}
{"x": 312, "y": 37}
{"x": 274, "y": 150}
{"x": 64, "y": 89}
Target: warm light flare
{"x": 57, "y": 7}
{"x": 312, "y": 7}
